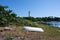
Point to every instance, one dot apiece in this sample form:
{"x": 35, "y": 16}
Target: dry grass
{"x": 50, "y": 33}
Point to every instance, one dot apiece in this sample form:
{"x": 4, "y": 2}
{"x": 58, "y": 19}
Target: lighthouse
{"x": 29, "y": 13}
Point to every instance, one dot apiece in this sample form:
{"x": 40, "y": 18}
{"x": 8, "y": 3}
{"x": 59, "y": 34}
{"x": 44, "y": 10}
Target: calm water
{"x": 55, "y": 24}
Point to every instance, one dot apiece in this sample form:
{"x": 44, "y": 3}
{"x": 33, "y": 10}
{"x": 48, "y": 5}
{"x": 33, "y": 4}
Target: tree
{"x": 6, "y": 16}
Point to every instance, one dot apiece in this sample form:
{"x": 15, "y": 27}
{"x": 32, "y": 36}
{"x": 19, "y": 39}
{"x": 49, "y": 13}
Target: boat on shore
{"x": 33, "y": 29}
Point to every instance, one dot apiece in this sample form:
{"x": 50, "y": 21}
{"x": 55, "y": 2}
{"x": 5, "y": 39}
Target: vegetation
{"x": 44, "y": 19}
{"x": 7, "y": 17}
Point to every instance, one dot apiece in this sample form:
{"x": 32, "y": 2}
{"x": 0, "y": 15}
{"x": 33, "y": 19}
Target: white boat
{"x": 33, "y": 29}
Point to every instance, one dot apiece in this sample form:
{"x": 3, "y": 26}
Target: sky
{"x": 38, "y": 8}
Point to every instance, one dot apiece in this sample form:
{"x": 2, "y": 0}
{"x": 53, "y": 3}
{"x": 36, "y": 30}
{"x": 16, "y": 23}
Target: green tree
{"x": 6, "y": 16}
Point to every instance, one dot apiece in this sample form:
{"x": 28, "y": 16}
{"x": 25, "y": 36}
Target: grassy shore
{"x": 50, "y": 33}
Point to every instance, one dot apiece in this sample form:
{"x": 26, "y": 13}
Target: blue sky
{"x": 38, "y": 8}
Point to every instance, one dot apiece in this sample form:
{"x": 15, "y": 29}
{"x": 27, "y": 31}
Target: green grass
{"x": 49, "y": 31}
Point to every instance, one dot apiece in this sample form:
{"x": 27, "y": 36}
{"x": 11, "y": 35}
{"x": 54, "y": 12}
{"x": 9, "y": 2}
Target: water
{"x": 53, "y": 23}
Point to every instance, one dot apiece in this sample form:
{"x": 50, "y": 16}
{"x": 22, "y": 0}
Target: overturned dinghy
{"x": 33, "y": 29}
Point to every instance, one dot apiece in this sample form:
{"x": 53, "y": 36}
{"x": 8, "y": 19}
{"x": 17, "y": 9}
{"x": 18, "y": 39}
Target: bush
{"x": 8, "y": 38}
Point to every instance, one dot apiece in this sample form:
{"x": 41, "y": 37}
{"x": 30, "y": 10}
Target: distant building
{"x": 29, "y": 13}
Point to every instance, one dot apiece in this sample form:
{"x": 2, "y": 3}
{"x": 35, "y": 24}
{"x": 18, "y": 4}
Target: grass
{"x": 50, "y": 33}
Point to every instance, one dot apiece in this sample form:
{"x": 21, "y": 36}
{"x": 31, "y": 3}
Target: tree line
{"x": 44, "y": 19}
